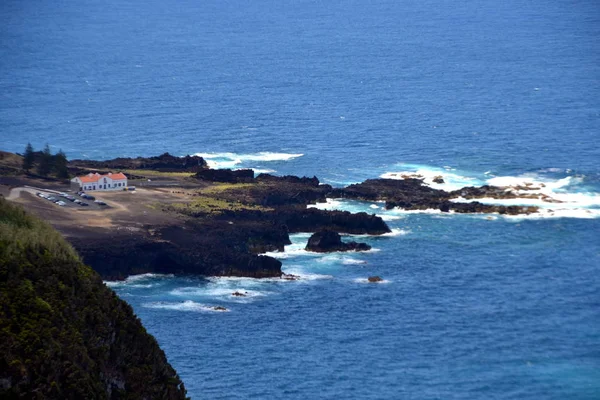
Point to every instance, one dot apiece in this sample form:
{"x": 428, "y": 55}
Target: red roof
{"x": 117, "y": 176}
{"x": 91, "y": 178}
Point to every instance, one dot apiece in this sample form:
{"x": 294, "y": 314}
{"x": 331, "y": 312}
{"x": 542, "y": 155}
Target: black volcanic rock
{"x": 274, "y": 191}
{"x": 226, "y": 175}
{"x": 228, "y": 250}
{"x": 326, "y": 241}
{"x": 291, "y": 179}
{"x": 312, "y": 219}
{"x": 412, "y": 194}
{"x": 409, "y": 190}
{"x": 488, "y": 191}
{"x": 163, "y": 163}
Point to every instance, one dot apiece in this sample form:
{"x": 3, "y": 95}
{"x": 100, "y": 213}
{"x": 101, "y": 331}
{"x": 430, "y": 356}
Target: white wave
{"x": 291, "y": 253}
{"x": 531, "y": 180}
{"x": 302, "y": 275}
{"x": 223, "y": 292}
{"x": 340, "y": 258}
{"x": 394, "y": 232}
{"x": 352, "y": 261}
{"x": 131, "y": 280}
{"x": 135, "y": 278}
{"x": 353, "y": 206}
{"x": 427, "y": 211}
{"x": 330, "y": 204}
{"x": 557, "y": 213}
{"x": 556, "y": 198}
{"x": 232, "y": 160}
{"x": 366, "y": 280}
{"x": 564, "y": 196}
{"x": 452, "y": 181}
{"x": 187, "y": 305}
{"x": 386, "y": 217}
{"x": 235, "y": 282}
{"x": 546, "y": 189}
{"x": 258, "y": 171}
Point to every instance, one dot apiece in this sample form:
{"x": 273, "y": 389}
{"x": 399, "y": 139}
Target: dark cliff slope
{"x": 63, "y": 333}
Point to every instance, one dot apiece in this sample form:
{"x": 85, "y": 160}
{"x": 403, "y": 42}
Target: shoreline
{"x": 185, "y": 218}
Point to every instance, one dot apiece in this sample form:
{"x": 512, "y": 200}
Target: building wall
{"x": 104, "y": 183}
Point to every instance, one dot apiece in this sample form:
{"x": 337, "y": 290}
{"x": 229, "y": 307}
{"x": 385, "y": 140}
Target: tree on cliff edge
{"x": 45, "y": 165}
{"x": 60, "y": 165}
{"x": 28, "y": 157}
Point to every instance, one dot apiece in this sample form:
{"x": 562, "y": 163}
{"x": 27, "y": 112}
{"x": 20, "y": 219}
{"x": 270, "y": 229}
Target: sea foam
{"x": 557, "y": 197}
{"x": 234, "y": 160}
{"x": 135, "y": 280}
{"x": 187, "y": 305}
{"x": 452, "y": 180}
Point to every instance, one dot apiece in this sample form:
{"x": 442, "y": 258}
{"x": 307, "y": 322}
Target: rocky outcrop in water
{"x": 327, "y": 241}
{"x": 413, "y": 194}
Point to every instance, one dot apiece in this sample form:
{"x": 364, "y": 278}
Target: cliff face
{"x": 63, "y": 333}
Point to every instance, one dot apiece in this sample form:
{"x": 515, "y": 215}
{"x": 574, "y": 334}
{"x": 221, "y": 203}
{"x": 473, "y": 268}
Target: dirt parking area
{"x": 124, "y": 210}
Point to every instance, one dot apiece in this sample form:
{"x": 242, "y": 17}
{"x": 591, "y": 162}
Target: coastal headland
{"x": 185, "y": 218}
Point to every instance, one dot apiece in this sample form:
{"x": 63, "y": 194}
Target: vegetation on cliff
{"x": 63, "y": 333}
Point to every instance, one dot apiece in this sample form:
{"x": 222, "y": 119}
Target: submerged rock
{"x": 238, "y": 294}
{"x": 328, "y": 241}
{"x": 374, "y": 279}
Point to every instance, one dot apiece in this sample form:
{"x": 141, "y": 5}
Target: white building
{"x": 101, "y": 182}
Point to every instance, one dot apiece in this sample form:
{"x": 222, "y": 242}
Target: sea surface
{"x": 480, "y": 92}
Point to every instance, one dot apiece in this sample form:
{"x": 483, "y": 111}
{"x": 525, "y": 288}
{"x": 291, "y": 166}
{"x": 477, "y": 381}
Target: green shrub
{"x": 63, "y": 333}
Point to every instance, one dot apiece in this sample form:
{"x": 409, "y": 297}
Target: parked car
{"x": 70, "y": 198}
{"x": 99, "y": 202}
{"x": 77, "y": 201}
{"x": 84, "y": 204}
{"x": 51, "y": 198}
{"x": 61, "y": 203}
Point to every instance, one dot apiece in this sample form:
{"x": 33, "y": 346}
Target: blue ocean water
{"x": 478, "y": 91}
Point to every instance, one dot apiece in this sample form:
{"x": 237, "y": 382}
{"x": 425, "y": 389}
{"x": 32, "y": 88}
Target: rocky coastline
{"x": 220, "y": 222}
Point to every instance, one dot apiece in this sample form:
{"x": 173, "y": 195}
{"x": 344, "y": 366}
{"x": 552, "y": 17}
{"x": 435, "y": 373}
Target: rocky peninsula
{"x": 185, "y": 218}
